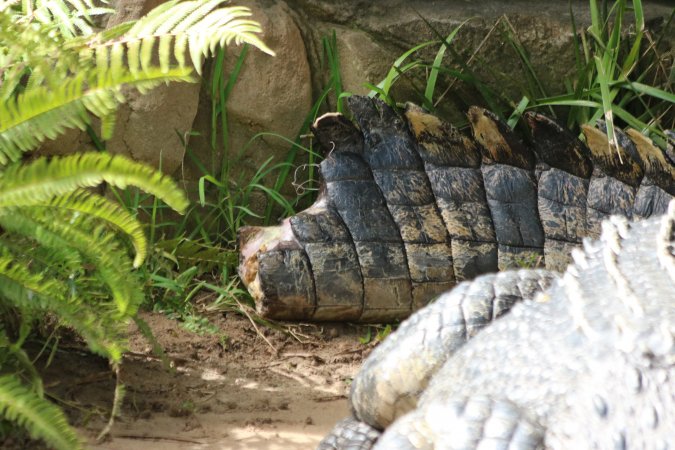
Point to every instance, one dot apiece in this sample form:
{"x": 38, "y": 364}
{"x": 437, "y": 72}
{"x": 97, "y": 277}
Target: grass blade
{"x": 438, "y": 60}
{"x": 518, "y": 112}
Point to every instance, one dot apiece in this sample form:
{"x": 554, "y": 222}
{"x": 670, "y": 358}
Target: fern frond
{"x": 86, "y": 202}
{"x": 20, "y": 360}
{"x": 84, "y": 74}
{"x": 70, "y": 17}
{"x": 197, "y": 27}
{"x": 99, "y": 247}
{"x": 47, "y": 249}
{"x": 46, "y": 111}
{"x": 42, "y": 419}
{"x": 27, "y": 290}
{"x": 43, "y": 179}
{"x": 31, "y": 51}
{"x": 97, "y": 322}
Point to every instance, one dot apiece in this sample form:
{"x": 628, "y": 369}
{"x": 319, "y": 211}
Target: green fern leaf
{"x": 98, "y": 323}
{"x": 26, "y": 289}
{"x": 43, "y": 179}
{"x": 45, "y": 112}
{"x": 42, "y": 419}
{"x": 72, "y": 17}
{"x": 52, "y": 251}
{"x": 201, "y": 26}
{"x": 101, "y": 248}
{"x": 108, "y": 125}
{"x": 101, "y": 323}
{"x": 165, "y": 52}
{"x": 133, "y": 56}
{"x": 86, "y": 202}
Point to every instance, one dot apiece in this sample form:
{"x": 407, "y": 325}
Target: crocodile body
{"x": 588, "y": 362}
{"x": 410, "y": 207}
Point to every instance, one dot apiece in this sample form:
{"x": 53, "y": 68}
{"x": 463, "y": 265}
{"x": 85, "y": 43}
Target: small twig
{"x": 117, "y": 404}
{"x": 330, "y": 398}
{"x": 290, "y": 375}
{"x": 267, "y": 365}
{"x": 299, "y": 355}
{"x": 88, "y": 410}
{"x": 206, "y": 399}
{"x": 129, "y": 354}
{"x": 350, "y": 352}
{"x": 294, "y": 331}
{"x": 285, "y": 356}
{"x": 173, "y": 360}
{"x": 257, "y": 330}
{"x": 151, "y": 437}
{"x": 313, "y": 356}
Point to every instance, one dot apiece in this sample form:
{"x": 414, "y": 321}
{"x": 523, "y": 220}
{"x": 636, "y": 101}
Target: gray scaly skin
{"x": 588, "y": 363}
{"x": 409, "y": 207}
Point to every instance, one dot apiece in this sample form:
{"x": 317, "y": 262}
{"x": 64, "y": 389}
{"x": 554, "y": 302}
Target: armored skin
{"x": 410, "y": 207}
{"x": 587, "y": 362}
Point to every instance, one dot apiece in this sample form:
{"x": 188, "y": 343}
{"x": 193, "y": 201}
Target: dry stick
{"x": 302, "y": 355}
{"x": 286, "y": 356}
{"x": 257, "y": 330}
{"x": 172, "y": 359}
{"x": 117, "y": 403}
{"x": 290, "y": 375}
{"x": 157, "y": 438}
{"x": 297, "y": 334}
{"x": 330, "y": 398}
{"x": 268, "y": 365}
{"x": 90, "y": 410}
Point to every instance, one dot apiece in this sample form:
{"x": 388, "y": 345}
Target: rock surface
{"x": 271, "y": 95}
{"x": 147, "y": 125}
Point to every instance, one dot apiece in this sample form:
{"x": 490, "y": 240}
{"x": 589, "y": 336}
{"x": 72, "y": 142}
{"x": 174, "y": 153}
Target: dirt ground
{"x": 226, "y": 391}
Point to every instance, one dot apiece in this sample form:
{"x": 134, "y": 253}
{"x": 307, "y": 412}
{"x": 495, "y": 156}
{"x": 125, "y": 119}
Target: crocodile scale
{"x": 585, "y": 359}
{"x": 409, "y": 207}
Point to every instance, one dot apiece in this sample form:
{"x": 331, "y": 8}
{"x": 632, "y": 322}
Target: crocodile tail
{"x": 410, "y": 206}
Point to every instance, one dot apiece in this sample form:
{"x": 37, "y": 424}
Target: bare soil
{"x": 230, "y": 390}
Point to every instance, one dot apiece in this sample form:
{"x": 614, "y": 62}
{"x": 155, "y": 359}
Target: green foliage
{"x": 42, "y": 419}
{"x": 380, "y": 333}
{"x": 412, "y": 63}
{"x": 619, "y": 74}
{"x": 64, "y": 248}
{"x": 72, "y": 76}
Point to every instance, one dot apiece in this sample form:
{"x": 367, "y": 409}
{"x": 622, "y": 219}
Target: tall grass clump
{"x": 619, "y": 75}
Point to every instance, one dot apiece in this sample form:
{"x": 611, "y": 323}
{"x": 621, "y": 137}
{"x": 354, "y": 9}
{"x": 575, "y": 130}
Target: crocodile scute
{"x": 409, "y": 207}
{"x": 585, "y": 359}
